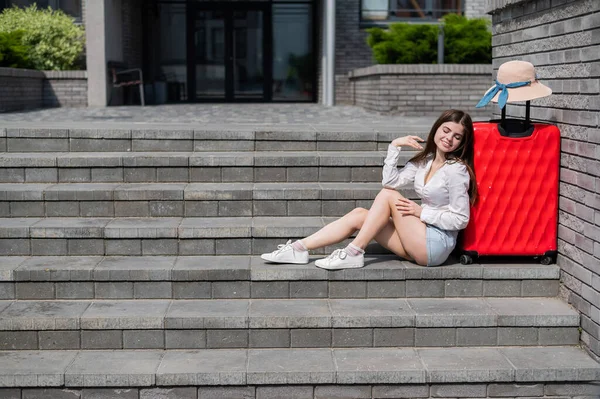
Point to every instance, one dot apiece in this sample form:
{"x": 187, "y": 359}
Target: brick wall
{"x": 562, "y": 39}
{"x": 351, "y": 49}
{"x": 420, "y": 89}
{"x": 65, "y": 89}
{"x": 22, "y": 89}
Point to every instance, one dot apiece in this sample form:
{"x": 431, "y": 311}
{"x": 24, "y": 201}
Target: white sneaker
{"x": 340, "y": 259}
{"x": 285, "y": 253}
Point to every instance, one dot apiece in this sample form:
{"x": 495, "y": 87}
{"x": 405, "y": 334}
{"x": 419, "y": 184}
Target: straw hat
{"x": 520, "y": 75}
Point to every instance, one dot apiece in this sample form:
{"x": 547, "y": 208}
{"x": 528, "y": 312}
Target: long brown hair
{"x": 463, "y": 153}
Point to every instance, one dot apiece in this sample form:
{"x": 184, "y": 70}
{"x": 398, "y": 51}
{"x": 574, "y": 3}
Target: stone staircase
{"x": 129, "y": 270}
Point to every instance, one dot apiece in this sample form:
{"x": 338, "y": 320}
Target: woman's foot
{"x": 287, "y": 253}
{"x": 340, "y": 259}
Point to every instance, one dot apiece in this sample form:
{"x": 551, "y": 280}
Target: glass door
{"x": 207, "y": 73}
{"x": 248, "y": 55}
{"x": 227, "y": 52}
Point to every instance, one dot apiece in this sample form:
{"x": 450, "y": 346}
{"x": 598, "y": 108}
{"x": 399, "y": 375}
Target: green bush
{"x": 55, "y": 42}
{"x": 13, "y": 53}
{"x": 466, "y": 41}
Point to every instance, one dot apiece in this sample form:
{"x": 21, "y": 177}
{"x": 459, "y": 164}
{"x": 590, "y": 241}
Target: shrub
{"x": 13, "y": 53}
{"x": 55, "y": 42}
{"x": 466, "y": 41}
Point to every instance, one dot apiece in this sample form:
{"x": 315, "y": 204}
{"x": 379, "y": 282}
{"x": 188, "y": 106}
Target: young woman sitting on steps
{"x": 441, "y": 174}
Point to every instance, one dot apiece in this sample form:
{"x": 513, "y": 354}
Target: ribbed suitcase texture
{"x": 517, "y": 179}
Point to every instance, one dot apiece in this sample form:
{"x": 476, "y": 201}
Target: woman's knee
{"x": 358, "y": 216}
{"x": 388, "y": 195}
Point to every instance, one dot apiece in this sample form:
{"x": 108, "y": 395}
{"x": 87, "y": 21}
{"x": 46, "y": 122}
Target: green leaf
{"x": 53, "y": 40}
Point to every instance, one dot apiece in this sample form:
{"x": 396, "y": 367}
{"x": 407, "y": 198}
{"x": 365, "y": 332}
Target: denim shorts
{"x": 440, "y": 243}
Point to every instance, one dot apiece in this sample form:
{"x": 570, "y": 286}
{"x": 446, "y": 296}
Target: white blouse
{"x": 445, "y": 197}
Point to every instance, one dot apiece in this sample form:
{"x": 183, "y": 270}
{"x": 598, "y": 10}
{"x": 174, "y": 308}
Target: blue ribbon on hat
{"x": 503, "y": 97}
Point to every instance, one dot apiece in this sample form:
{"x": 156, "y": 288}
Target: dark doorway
{"x": 229, "y": 52}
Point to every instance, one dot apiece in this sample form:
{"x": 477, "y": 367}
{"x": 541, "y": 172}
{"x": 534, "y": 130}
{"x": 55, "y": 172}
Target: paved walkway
{"x": 191, "y": 114}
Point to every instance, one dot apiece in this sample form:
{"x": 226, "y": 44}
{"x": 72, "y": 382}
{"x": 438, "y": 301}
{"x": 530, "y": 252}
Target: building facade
{"x": 236, "y": 51}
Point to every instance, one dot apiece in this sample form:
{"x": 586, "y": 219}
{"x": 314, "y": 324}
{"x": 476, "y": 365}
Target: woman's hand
{"x": 409, "y": 141}
{"x": 407, "y": 207}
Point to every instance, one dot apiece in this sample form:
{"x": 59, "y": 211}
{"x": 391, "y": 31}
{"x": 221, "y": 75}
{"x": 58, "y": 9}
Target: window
{"x": 385, "y": 11}
{"x": 70, "y": 7}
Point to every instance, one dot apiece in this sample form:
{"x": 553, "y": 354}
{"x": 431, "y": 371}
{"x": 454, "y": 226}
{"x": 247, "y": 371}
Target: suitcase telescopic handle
{"x": 516, "y": 128}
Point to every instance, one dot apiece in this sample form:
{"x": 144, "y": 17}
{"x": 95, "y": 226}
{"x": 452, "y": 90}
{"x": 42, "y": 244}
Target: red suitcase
{"x": 516, "y": 165}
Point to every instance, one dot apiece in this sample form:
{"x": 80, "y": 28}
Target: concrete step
{"x": 185, "y": 199}
{"x": 245, "y": 137}
{"x": 516, "y": 372}
{"x": 134, "y": 167}
{"x": 154, "y": 236}
{"x": 284, "y": 323}
{"x": 237, "y": 277}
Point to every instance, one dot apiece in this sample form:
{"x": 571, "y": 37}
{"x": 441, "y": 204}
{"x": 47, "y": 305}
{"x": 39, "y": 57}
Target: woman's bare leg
{"x": 336, "y": 231}
{"x": 403, "y": 235}
{"x": 377, "y": 218}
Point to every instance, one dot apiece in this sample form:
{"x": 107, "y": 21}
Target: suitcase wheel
{"x": 466, "y": 259}
{"x": 546, "y": 260}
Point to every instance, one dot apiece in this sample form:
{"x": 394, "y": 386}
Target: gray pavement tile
{"x": 22, "y": 191}
{"x": 81, "y": 192}
{"x": 451, "y": 312}
{"x": 285, "y": 227}
{"x": 355, "y": 158}
{"x": 347, "y": 191}
{"x": 354, "y": 313}
{"x": 291, "y": 191}
{"x": 215, "y": 227}
{"x": 142, "y": 228}
{"x": 449, "y": 271}
{"x": 264, "y": 271}
{"x": 536, "y": 312}
{"x": 377, "y": 267}
{"x": 4, "y": 305}
{"x": 209, "y": 314}
{"x": 212, "y": 268}
{"x": 150, "y": 159}
{"x": 33, "y": 368}
{"x": 57, "y": 268}
{"x": 125, "y": 315}
{"x": 147, "y": 191}
{"x": 90, "y": 159}
{"x": 281, "y": 158}
{"x": 120, "y": 368}
{"x": 290, "y": 366}
{"x": 221, "y": 159}
{"x": 552, "y": 364}
{"x": 218, "y": 191}
{"x": 211, "y": 120}
{"x": 43, "y": 315}
{"x": 135, "y": 268}
{"x": 16, "y": 227}
{"x": 378, "y": 366}
{"x": 8, "y": 264}
{"x": 115, "y": 134}
{"x": 29, "y": 160}
{"x": 457, "y": 365}
{"x": 289, "y": 313}
{"x": 521, "y": 272}
{"x": 203, "y": 367}
{"x": 157, "y": 134}
{"x": 69, "y": 228}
